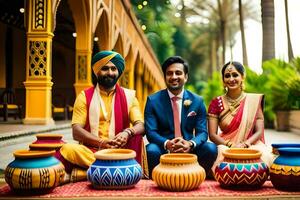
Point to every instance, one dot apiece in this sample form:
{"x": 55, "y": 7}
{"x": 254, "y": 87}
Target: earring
{"x": 242, "y": 86}
{"x": 225, "y": 89}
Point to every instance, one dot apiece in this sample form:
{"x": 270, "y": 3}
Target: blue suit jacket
{"x": 159, "y": 123}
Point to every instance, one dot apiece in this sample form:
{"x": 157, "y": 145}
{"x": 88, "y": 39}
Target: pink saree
{"x": 237, "y": 123}
{"x": 241, "y": 125}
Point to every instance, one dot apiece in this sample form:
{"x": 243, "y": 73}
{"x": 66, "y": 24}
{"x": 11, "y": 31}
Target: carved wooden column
{"x": 145, "y": 87}
{"x": 38, "y": 62}
{"x": 83, "y": 70}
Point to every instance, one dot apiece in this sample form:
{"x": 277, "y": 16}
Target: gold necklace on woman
{"x": 233, "y": 103}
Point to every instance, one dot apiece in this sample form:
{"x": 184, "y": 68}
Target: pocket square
{"x": 192, "y": 113}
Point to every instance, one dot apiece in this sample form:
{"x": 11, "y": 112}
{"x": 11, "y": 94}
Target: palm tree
{"x": 267, "y": 11}
{"x": 290, "y": 48}
{"x": 221, "y": 22}
{"x": 244, "y": 47}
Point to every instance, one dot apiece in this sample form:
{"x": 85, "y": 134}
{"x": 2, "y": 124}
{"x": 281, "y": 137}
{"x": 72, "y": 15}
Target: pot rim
{"x": 115, "y": 154}
{"x": 46, "y": 145}
{"x": 178, "y": 158}
{"x": 242, "y": 153}
{"x": 49, "y": 135}
{"x": 291, "y": 150}
{"x": 24, "y": 153}
{"x": 281, "y": 145}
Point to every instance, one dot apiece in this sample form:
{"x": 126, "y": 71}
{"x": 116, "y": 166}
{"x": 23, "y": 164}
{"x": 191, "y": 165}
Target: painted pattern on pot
{"x": 285, "y": 171}
{"x": 178, "y": 172}
{"x": 114, "y": 169}
{"x": 34, "y": 172}
{"x": 47, "y": 142}
{"x": 241, "y": 169}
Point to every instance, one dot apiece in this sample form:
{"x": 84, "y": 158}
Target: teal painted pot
{"x": 282, "y": 145}
{"x": 34, "y": 172}
{"x": 285, "y": 171}
{"x": 114, "y": 169}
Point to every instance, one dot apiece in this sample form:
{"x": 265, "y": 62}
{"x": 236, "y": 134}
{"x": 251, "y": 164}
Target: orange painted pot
{"x": 178, "y": 172}
{"x": 47, "y": 142}
{"x": 241, "y": 169}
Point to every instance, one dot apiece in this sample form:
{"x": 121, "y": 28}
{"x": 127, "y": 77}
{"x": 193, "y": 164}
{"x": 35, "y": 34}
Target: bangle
{"x": 130, "y": 131}
{"x": 228, "y": 143}
{"x": 100, "y": 144}
{"x": 247, "y": 144}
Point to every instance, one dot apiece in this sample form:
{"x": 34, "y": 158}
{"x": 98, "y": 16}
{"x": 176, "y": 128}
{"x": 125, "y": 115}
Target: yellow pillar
{"x": 139, "y": 90}
{"x": 83, "y": 70}
{"x": 139, "y": 70}
{"x": 145, "y": 88}
{"x": 38, "y": 83}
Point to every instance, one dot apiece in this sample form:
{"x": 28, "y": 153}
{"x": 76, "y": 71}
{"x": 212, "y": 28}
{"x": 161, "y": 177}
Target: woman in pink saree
{"x": 239, "y": 116}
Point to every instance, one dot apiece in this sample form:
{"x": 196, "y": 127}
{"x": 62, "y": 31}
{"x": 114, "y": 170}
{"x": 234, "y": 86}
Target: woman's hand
{"x": 239, "y": 145}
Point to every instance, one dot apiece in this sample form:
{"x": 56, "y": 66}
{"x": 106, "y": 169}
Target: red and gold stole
{"x": 121, "y": 119}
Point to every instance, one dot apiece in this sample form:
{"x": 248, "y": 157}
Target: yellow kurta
{"x": 80, "y": 112}
{"x": 79, "y": 154}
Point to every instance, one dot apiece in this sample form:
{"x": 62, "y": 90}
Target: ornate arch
{"x": 102, "y": 31}
{"x": 119, "y": 45}
{"x": 127, "y": 79}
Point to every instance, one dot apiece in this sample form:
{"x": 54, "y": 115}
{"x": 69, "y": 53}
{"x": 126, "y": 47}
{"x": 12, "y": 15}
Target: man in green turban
{"x": 102, "y": 116}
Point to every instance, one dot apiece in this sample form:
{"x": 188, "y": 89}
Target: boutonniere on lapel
{"x": 187, "y": 103}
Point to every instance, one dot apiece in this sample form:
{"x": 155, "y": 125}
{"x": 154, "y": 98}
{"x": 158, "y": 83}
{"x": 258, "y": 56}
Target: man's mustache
{"x": 109, "y": 77}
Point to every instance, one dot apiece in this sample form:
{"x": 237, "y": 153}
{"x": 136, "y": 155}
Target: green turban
{"x": 101, "y": 58}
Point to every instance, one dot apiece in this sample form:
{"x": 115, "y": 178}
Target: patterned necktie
{"x": 176, "y": 116}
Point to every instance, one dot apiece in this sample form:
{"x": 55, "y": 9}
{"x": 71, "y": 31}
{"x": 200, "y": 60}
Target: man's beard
{"x": 107, "y": 81}
{"x": 174, "y": 88}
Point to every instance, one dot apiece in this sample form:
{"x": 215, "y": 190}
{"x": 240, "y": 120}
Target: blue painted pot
{"x": 285, "y": 171}
{"x": 34, "y": 172}
{"x": 281, "y": 145}
{"x": 114, "y": 169}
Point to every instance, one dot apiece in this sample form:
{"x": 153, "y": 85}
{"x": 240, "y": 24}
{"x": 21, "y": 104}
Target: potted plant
{"x": 280, "y": 88}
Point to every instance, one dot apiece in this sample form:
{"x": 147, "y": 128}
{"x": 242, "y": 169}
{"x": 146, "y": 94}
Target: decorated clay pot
{"x": 241, "y": 169}
{"x": 34, "y": 172}
{"x": 178, "y": 172}
{"x": 280, "y": 145}
{"x": 47, "y": 142}
{"x": 285, "y": 171}
{"x": 114, "y": 169}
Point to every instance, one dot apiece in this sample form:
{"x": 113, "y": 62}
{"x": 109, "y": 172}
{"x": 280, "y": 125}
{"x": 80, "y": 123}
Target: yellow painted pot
{"x": 34, "y": 172}
{"x": 178, "y": 172}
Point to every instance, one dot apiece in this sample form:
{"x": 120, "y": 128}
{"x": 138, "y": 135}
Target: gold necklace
{"x": 233, "y": 103}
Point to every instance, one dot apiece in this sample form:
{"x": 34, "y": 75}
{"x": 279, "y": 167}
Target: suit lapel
{"x": 168, "y": 108}
{"x": 184, "y": 110}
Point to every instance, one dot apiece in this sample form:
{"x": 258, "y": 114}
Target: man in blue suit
{"x": 175, "y": 119}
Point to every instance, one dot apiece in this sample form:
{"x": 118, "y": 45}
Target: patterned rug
{"x": 148, "y": 190}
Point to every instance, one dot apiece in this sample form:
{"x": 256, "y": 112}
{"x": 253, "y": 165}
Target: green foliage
{"x": 160, "y": 36}
{"x": 159, "y": 29}
{"x": 214, "y": 88}
{"x": 278, "y": 74}
{"x": 294, "y": 92}
{"x": 279, "y": 82}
